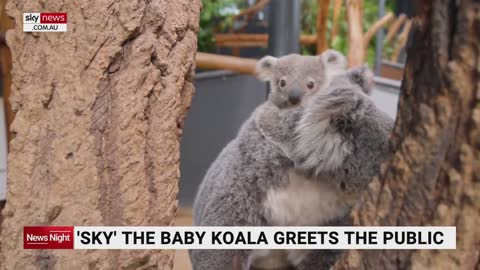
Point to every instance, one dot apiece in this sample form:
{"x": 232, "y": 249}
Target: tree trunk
{"x": 99, "y": 115}
{"x": 433, "y": 176}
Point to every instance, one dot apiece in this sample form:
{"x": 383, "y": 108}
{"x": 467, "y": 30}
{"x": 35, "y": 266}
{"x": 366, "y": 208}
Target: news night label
{"x": 48, "y": 237}
{"x": 45, "y": 22}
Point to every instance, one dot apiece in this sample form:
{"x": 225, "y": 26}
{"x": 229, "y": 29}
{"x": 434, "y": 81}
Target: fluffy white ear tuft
{"x": 335, "y": 62}
{"x": 264, "y": 69}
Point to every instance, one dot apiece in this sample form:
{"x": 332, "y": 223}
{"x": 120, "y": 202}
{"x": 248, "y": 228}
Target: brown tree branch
{"x": 322, "y": 18}
{"x": 252, "y": 10}
{"x": 249, "y": 13}
{"x": 393, "y": 30}
{"x": 402, "y": 41}
{"x": 376, "y": 27}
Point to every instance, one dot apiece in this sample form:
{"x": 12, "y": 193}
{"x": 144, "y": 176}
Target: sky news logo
{"x": 44, "y": 22}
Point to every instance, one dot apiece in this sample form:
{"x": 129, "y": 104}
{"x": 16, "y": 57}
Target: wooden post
{"x": 253, "y": 40}
{"x": 337, "y": 8}
{"x": 216, "y": 62}
{"x": 356, "y": 47}
{"x": 322, "y": 18}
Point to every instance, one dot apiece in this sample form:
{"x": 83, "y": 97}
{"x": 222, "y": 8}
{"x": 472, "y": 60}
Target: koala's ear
{"x": 335, "y": 62}
{"x": 265, "y": 66}
{"x": 362, "y": 76}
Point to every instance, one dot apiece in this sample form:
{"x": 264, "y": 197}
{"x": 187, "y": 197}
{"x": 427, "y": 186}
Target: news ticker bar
{"x": 69, "y": 237}
{"x": 45, "y": 22}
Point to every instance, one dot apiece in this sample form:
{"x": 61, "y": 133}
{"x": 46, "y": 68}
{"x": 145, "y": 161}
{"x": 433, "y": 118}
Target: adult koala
{"x": 253, "y": 169}
{"x": 341, "y": 138}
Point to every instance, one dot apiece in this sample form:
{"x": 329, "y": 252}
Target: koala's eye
{"x": 282, "y": 83}
{"x": 310, "y": 85}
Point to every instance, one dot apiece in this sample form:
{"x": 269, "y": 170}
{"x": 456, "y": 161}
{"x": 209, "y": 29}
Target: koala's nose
{"x": 294, "y": 99}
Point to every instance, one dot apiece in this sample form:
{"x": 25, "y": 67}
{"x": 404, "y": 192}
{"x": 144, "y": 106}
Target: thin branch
{"x": 376, "y": 27}
{"x": 259, "y": 5}
{"x": 248, "y": 12}
{"x": 392, "y": 31}
{"x": 402, "y": 41}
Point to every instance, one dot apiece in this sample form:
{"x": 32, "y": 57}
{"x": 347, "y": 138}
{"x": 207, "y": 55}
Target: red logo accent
{"x": 47, "y": 237}
{"x": 53, "y": 17}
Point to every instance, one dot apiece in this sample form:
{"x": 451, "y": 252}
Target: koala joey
{"x": 294, "y": 78}
{"x": 268, "y": 155}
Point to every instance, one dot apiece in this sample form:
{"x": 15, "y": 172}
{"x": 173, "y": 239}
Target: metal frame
{"x": 284, "y": 27}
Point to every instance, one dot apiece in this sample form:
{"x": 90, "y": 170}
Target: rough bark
{"x": 99, "y": 114}
{"x": 433, "y": 176}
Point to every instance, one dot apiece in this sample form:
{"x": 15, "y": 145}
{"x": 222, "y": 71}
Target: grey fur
{"x": 353, "y": 117}
{"x": 233, "y": 189}
{"x": 278, "y": 139}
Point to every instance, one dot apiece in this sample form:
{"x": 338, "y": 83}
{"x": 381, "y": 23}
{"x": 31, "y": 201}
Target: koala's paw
{"x": 324, "y": 134}
{"x": 276, "y": 124}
